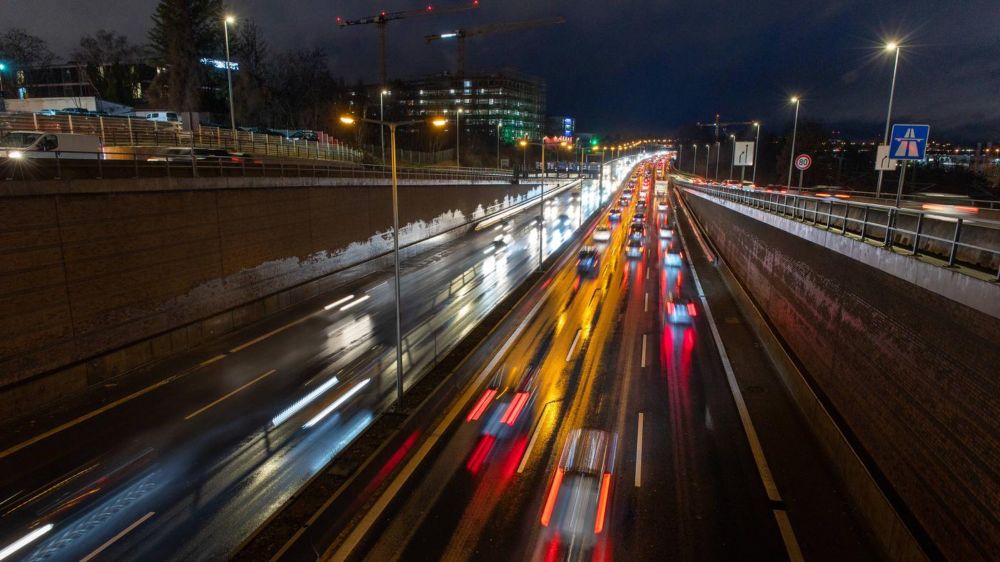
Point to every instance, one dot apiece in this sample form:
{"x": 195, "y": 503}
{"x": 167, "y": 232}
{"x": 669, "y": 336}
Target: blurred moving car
{"x": 634, "y": 249}
{"x": 673, "y": 258}
{"x": 577, "y": 501}
{"x": 615, "y": 214}
{"x": 666, "y": 231}
{"x": 602, "y": 233}
{"x": 588, "y": 261}
{"x": 681, "y": 311}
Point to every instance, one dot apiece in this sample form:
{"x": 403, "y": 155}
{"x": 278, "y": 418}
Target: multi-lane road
{"x": 608, "y": 429}
{"x": 187, "y": 467}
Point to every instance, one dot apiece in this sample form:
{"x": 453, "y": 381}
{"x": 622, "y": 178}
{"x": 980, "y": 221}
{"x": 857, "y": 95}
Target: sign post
{"x": 802, "y": 162}
{"x": 907, "y": 142}
{"x": 743, "y": 152}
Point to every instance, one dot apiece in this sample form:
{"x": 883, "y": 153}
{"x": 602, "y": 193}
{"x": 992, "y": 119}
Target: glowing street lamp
{"x": 891, "y": 46}
{"x": 381, "y": 115}
{"x": 755, "y": 145}
{"x": 437, "y": 122}
{"x": 795, "y": 128}
{"x": 229, "y": 20}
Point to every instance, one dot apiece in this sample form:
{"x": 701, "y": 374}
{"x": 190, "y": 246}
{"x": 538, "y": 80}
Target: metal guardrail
{"x": 158, "y": 163}
{"x": 956, "y": 239}
{"x": 134, "y": 131}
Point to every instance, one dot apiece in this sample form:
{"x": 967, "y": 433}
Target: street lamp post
{"x": 381, "y": 116}
{"x": 756, "y": 143}
{"x": 541, "y": 201}
{"x": 708, "y": 158}
{"x": 229, "y": 70}
{"x": 888, "y": 115}
{"x": 791, "y": 155}
{"x": 718, "y": 153}
{"x": 458, "y": 137}
{"x": 694, "y": 161}
{"x": 499, "y": 124}
{"x": 437, "y": 122}
{"x": 731, "y": 154}
{"x": 680, "y": 154}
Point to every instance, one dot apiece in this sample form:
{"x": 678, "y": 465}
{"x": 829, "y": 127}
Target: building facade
{"x": 515, "y": 103}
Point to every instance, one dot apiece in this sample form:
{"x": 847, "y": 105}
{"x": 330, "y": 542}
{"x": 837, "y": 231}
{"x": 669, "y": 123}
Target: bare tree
{"x": 21, "y": 49}
{"x": 111, "y": 62}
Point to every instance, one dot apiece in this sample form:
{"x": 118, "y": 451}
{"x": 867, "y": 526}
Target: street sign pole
{"x": 899, "y": 189}
{"x": 801, "y": 171}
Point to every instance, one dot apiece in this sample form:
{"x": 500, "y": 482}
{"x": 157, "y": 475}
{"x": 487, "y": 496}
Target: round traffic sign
{"x": 803, "y": 161}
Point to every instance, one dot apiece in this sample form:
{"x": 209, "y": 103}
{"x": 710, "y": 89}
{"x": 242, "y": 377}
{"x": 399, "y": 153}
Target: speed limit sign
{"x": 803, "y": 161}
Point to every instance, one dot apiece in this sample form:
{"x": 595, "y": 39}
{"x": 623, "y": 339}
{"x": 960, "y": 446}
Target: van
{"x": 163, "y": 117}
{"x": 39, "y": 144}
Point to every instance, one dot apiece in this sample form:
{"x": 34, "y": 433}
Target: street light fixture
{"x": 381, "y": 115}
{"x": 229, "y": 20}
{"x": 891, "y": 46}
{"x": 694, "y": 161}
{"x": 437, "y": 122}
{"x": 499, "y": 125}
{"x": 708, "y": 158}
{"x": 795, "y": 128}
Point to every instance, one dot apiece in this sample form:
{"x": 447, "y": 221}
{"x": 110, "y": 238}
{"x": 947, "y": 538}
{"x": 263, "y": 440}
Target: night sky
{"x": 650, "y": 67}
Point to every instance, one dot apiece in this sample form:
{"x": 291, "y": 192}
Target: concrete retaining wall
{"x": 94, "y": 284}
{"x": 909, "y": 374}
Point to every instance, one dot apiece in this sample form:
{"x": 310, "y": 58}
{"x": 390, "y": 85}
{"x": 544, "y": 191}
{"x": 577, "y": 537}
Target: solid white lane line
{"x": 531, "y": 445}
{"x": 112, "y": 540}
{"x": 785, "y": 526}
{"x": 643, "y": 361}
{"x": 203, "y": 408}
{"x": 25, "y": 540}
{"x": 638, "y": 454}
{"x": 645, "y": 303}
{"x": 572, "y": 347}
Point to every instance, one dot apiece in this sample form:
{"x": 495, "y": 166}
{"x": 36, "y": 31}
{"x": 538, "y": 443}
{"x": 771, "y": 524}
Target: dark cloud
{"x": 651, "y": 66}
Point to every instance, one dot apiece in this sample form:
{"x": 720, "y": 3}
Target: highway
{"x": 671, "y": 473}
{"x": 186, "y": 468}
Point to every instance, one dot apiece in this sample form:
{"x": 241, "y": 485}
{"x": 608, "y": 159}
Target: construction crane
{"x": 382, "y": 18}
{"x": 501, "y": 27}
{"x": 717, "y": 125}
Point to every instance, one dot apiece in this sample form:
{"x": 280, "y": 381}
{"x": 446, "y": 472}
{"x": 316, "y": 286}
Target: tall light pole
{"x": 381, "y": 115}
{"x": 888, "y": 115}
{"x": 437, "y": 122}
{"x": 680, "y": 154}
{"x": 458, "y": 137}
{"x": 756, "y": 143}
{"x": 731, "y": 154}
{"x": 694, "y": 161}
{"x": 499, "y": 124}
{"x": 718, "y": 154}
{"x": 708, "y": 158}
{"x": 791, "y": 155}
{"x": 229, "y": 20}
{"x": 541, "y": 200}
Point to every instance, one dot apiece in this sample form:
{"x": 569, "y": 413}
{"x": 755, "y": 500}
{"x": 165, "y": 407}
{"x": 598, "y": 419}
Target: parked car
{"x": 163, "y": 116}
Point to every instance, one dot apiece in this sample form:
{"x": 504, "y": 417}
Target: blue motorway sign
{"x": 908, "y": 142}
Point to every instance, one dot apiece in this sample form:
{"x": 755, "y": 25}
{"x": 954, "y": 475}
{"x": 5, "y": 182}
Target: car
{"x": 681, "y": 311}
{"x": 602, "y": 233}
{"x": 639, "y": 216}
{"x": 673, "y": 258}
{"x": 666, "y": 231}
{"x": 615, "y": 214}
{"x": 634, "y": 248}
{"x": 79, "y": 111}
{"x": 637, "y": 231}
{"x": 581, "y": 486}
{"x": 185, "y": 154}
{"x": 661, "y": 206}
{"x": 498, "y": 246}
{"x": 588, "y": 261}
{"x": 48, "y": 112}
